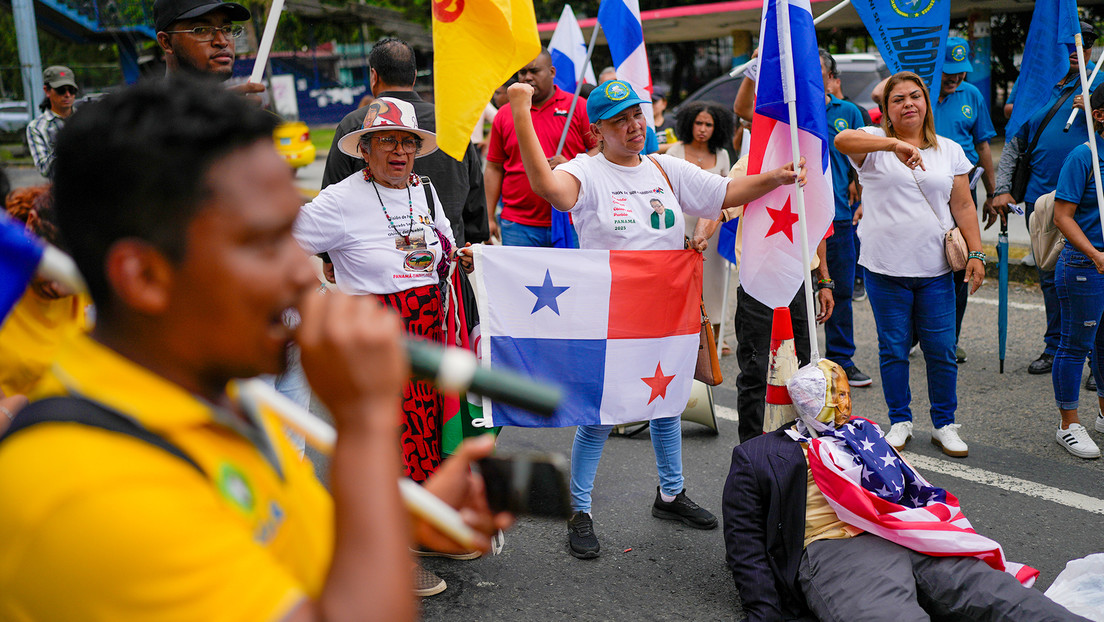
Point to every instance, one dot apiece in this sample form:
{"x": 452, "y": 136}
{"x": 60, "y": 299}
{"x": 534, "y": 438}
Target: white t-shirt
{"x": 615, "y": 207}
{"x": 346, "y": 221}
{"x": 899, "y": 232}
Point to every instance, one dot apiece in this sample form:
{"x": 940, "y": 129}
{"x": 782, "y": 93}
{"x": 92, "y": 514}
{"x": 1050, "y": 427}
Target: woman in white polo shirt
{"x": 620, "y": 200}
{"x": 915, "y": 189}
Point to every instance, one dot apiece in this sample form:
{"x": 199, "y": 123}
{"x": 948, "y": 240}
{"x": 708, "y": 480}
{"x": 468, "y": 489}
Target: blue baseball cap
{"x": 957, "y": 59}
{"x": 610, "y": 98}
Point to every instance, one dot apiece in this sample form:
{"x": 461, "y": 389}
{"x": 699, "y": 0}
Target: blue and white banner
{"x": 1046, "y": 58}
{"x": 910, "y": 34}
{"x": 569, "y": 52}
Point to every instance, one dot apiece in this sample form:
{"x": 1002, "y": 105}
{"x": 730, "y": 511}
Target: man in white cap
{"x": 61, "y": 90}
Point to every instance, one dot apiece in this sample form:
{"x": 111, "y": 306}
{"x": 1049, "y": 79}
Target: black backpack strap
{"x": 91, "y": 414}
{"x": 429, "y": 198}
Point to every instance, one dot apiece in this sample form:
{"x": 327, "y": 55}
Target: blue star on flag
{"x": 546, "y": 294}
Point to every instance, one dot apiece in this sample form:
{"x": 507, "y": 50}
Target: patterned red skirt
{"x": 420, "y": 309}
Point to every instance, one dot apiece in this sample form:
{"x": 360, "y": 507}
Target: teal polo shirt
{"x": 842, "y": 115}
{"x": 1077, "y": 185}
{"x": 962, "y": 117}
{"x": 1054, "y": 144}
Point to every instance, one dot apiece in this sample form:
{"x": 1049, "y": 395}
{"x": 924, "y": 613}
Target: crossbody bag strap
{"x": 924, "y": 194}
{"x": 665, "y": 177}
{"x": 1046, "y": 120}
{"x": 429, "y": 198}
{"x": 88, "y": 413}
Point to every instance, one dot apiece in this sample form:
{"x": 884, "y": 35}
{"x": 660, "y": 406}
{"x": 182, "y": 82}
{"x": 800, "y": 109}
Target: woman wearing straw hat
{"x": 387, "y": 234}
{"x": 584, "y": 186}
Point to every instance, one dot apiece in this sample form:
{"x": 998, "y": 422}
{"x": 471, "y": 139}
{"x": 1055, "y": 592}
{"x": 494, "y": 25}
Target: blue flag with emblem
{"x": 1046, "y": 55}
{"x": 20, "y": 252}
{"x": 910, "y": 34}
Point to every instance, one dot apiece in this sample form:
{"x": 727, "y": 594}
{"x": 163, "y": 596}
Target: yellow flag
{"x": 477, "y": 46}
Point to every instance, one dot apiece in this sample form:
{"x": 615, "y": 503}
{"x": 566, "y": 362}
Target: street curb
{"x": 1017, "y": 272}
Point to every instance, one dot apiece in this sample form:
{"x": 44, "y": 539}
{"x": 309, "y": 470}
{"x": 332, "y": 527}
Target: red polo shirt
{"x": 520, "y": 203}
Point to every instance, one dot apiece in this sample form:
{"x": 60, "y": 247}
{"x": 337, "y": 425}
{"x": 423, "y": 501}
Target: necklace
{"x": 410, "y": 206}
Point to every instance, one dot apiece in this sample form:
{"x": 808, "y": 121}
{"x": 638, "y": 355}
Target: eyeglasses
{"x": 388, "y": 143}
{"x": 66, "y": 90}
{"x": 207, "y": 33}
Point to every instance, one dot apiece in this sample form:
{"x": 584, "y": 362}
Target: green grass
{"x": 322, "y": 137}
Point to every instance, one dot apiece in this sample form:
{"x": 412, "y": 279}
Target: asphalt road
{"x": 1021, "y": 488}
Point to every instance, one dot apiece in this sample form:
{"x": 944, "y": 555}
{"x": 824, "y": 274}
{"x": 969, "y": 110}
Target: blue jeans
{"x": 1080, "y": 291}
{"x": 839, "y": 330}
{"x": 898, "y": 304}
{"x": 587, "y": 451}
{"x": 1053, "y": 332}
{"x": 517, "y": 234}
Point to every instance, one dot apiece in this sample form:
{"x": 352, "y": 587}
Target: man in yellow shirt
{"x": 139, "y": 486}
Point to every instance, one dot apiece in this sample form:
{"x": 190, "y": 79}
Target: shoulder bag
{"x": 1047, "y": 240}
{"x": 954, "y": 245}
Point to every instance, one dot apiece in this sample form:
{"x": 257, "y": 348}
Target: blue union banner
{"x": 910, "y": 34}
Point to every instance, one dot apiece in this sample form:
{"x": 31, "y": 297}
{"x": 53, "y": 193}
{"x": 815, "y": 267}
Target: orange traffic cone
{"x": 781, "y": 367}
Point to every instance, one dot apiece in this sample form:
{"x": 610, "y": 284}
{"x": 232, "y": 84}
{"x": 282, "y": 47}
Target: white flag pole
{"x": 789, "y": 93}
{"x": 578, "y": 87}
{"x": 1090, "y": 125}
{"x": 830, "y": 12}
{"x": 1092, "y": 78}
{"x": 266, "y": 41}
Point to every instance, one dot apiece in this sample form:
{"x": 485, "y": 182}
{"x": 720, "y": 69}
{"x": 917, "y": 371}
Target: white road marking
{"x": 1007, "y": 482}
{"x": 1026, "y": 306}
{"x": 980, "y": 476}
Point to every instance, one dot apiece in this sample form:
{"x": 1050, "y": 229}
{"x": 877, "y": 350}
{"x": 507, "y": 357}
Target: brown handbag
{"x": 708, "y": 369}
{"x": 954, "y": 245}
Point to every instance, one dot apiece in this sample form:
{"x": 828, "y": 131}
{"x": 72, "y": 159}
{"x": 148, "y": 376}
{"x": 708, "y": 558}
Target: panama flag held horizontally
{"x": 771, "y": 269}
{"x": 569, "y": 52}
{"x": 618, "y": 330}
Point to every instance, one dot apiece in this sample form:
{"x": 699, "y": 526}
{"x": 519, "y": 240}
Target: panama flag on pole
{"x": 773, "y": 263}
{"x": 569, "y": 51}
{"x": 620, "y": 21}
{"x": 618, "y": 330}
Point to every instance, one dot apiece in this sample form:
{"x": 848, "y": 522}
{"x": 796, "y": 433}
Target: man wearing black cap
{"x": 61, "y": 90}
{"x": 197, "y": 37}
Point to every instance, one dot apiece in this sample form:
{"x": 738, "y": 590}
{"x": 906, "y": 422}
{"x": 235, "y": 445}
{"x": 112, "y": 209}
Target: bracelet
{"x": 825, "y": 284}
{"x": 976, "y": 255}
{"x": 7, "y": 412}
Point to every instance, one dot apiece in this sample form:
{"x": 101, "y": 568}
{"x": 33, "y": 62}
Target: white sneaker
{"x": 1028, "y": 259}
{"x": 1099, "y": 424}
{"x": 1076, "y": 441}
{"x": 947, "y": 438}
{"x": 899, "y": 434}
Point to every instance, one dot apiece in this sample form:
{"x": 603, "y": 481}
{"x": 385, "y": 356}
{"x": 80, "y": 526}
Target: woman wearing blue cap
{"x": 620, "y": 201}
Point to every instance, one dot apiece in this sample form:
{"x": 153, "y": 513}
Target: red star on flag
{"x": 658, "y": 383}
{"x": 782, "y": 221}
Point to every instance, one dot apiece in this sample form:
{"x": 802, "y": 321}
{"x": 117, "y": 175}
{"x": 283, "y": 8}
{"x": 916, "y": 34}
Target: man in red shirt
{"x": 527, "y": 218}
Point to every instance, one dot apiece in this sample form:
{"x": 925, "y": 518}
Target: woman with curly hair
{"x": 703, "y": 129}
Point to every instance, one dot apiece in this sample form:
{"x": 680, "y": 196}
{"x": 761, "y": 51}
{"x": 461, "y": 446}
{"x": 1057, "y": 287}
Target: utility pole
{"x": 30, "y": 62}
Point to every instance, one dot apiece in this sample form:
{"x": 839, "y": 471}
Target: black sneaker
{"x": 685, "y": 510}
{"x": 581, "y": 541}
{"x": 1090, "y": 383}
{"x": 856, "y": 377}
{"x": 1041, "y": 365}
{"x": 859, "y": 294}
